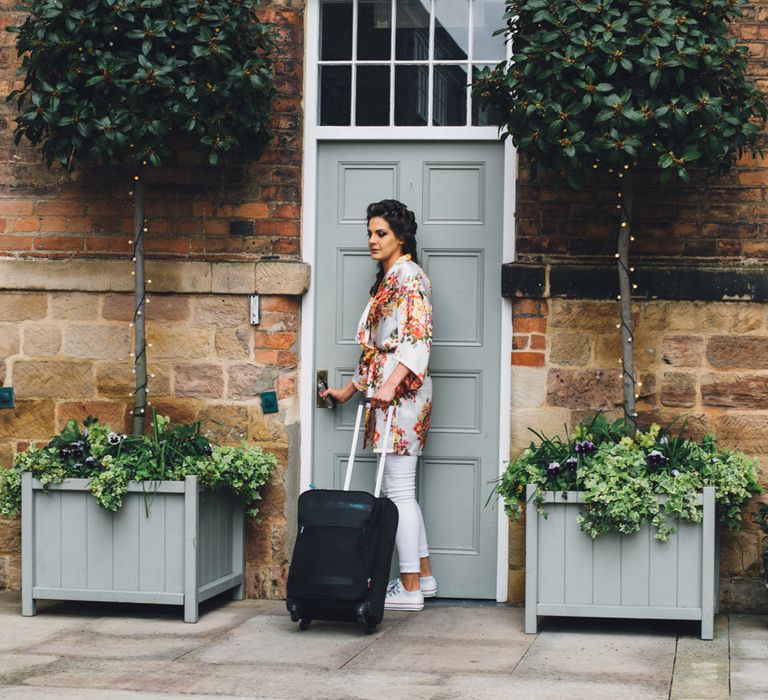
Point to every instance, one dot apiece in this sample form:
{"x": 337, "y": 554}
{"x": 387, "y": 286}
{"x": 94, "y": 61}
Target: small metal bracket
{"x": 255, "y": 317}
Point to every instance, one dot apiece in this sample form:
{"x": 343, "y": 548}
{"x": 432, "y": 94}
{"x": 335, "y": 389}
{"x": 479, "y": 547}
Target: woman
{"x": 395, "y": 333}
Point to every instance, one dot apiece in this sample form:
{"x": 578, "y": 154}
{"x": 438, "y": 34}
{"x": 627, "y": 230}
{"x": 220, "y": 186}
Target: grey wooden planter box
{"x": 625, "y": 576}
{"x": 186, "y": 550}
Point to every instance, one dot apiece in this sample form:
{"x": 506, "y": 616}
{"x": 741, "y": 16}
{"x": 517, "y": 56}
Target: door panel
{"x": 455, "y": 189}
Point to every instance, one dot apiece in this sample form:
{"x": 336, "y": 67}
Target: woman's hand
{"x": 340, "y": 395}
{"x": 383, "y": 396}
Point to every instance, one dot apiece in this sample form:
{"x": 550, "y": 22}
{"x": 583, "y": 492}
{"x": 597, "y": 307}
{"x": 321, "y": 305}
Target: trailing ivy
{"x": 614, "y": 82}
{"x": 112, "y": 79}
{"x": 110, "y": 460}
{"x": 652, "y": 477}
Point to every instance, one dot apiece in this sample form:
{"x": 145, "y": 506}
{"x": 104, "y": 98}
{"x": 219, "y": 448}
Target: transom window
{"x": 405, "y": 62}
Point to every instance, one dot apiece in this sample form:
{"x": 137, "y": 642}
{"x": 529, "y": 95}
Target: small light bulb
{"x": 152, "y": 375}
{"x": 145, "y": 229}
{"x": 616, "y": 255}
{"x": 621, "y": 174}
{"x": 146, "y": 301}
{"x": 134, "y": 259}
{"x": 631, "y": 238}
{"x": 618, "y": 206}
{"x": 130, "y": 325}
{"x": 618, "y": 296}
{"x": 618, "y": 325}
{"x": 130, "y": 242}
{"x": 631, "y": 269}
{"x": 638, "y": 384}
{"x": 133, "y": 371}
{"x": 610, "y": 170}
{"x": 138, "y": 313}
{"x": 149, "y": 281}
{"x": 618, "y": 194}
{"x": 626, "y": 167}
{"x": 130, "y": 193}
{"x": 149, "y": 344}
{"x": 136, "y": 177}
{"x": 629, "y": 340}
{"x": 623, "y": 224}
{"x": 133, "y": 272}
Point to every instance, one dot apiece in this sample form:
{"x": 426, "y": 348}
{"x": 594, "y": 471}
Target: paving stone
{"x": 14, "y": 665}
{"x": 702, "y": 667}
{"x": 32, "y": 693}
{"x": 87, "y": 644}
{"x": 277, "y": 640}
{"x": 505, "y": 687}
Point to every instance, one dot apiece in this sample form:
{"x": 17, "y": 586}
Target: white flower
{"x": 115, "y": 439}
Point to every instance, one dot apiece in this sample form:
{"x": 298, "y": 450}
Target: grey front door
{"x": 455, "y": 189}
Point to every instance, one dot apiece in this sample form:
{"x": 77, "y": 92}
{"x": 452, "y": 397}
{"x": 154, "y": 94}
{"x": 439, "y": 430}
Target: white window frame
{"x": 313, "y": 136}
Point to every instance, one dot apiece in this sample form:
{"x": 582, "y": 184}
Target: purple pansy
{"x": 585, "y": 447}
{"x": 656, "y": 458}
{"x": 571, "y": 462}
{"x": 553, "y": 468}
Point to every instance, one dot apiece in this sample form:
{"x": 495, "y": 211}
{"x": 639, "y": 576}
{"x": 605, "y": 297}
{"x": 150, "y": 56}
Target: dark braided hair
{"x": 402, "y": 221}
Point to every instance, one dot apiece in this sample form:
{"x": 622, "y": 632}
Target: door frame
{"x": 314, "y": 135}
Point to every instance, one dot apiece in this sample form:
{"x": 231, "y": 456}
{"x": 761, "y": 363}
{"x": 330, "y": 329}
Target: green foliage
{"x": 615, "y": 82}
{"x": 110, "y": 79}
{"x": 626, "y": 481}
{"x": 111, "y": 460}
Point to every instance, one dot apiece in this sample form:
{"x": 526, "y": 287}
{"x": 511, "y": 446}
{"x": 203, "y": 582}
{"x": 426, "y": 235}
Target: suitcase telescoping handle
{"x": 382, "y": 459}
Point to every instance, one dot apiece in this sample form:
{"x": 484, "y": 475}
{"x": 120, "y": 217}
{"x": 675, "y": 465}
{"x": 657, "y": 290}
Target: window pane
{"x": 411, "y": 95}
{"x": 483, "y": 116}
{"x": 412, "y": 36}
{"x": 335, "y": 95}
{"x": 451, "y": 29}
{"x": 450, "y": 96}
{"x": 374, "y": 19}
{"x": 336, "y": 30}
{"x": 372, "y": 100}
{"x": 489, "y": 16}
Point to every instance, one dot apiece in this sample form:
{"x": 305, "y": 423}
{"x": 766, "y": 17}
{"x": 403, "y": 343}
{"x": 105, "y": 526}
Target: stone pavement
{"x": 450, "y": 650}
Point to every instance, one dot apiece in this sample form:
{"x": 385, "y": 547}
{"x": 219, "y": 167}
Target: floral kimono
{"x": 396, "y": 327}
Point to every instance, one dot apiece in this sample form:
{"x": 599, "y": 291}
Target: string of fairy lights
{"x": 627, "y": 369}
{"x": 141, "y": 391}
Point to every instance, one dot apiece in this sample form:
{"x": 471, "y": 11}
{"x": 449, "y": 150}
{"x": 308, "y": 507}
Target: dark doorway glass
{"x": 451, "y": 29}
{"x": 372, "y": 97}
{"x": 412, "y": 35}
{"x": 336, "y": 30}
{"x": 335, "y": 95}
{"x": 411, "y": 95}
{"x": 374, "y": 30}
{"x": 449, "y": 101}
{"x": 483, "y": 116}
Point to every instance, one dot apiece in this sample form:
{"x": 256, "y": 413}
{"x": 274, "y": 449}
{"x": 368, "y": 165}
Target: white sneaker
{"x": 400, "y": 599}
{"x": 428, "y": 586}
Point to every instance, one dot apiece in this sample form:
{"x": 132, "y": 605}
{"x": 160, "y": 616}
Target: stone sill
{"x": 280, "y": 277}
{"x": 664, "y": 282}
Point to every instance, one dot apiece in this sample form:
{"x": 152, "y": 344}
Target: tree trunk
{"x": 140, "y": 343}
{"x": 625, "y": 290}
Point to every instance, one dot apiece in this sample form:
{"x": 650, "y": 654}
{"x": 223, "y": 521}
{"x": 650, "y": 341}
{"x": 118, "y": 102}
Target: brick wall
{"x": 67, "y": 355}
{"x": 705, "y": 361}
{"x": 708, "y": 219}
{"x": 189, "y": 204}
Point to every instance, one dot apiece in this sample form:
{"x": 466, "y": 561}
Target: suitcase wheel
{"x": 304, "y": 624}
{"x": 293, "y": 609}
{"x": 370, "y": 628}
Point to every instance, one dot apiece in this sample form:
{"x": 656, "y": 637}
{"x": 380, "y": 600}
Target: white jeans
{"x": 399, "y": 484}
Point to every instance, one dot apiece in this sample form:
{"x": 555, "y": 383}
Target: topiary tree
{"x": 619, "y": 84}
{"x": 114, "y": 80}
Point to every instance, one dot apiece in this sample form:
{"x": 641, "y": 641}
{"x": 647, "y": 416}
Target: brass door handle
{"x": 321, "y": 381}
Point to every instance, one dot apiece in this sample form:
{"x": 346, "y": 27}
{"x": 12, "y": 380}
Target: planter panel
{"x": 170, "y": 543}
{"x": 633, "y": 576}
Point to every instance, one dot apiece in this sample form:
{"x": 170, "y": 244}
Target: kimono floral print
{"x": 396, "y": 327}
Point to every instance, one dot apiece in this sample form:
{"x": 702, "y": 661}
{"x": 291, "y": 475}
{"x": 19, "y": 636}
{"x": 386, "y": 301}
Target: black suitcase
{"x": 343, "y": 553}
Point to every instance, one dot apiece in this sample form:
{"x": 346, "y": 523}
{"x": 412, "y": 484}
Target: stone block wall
{"x": 65, "y": 346}
{"x": 68, "y": 356}
{"x": 707, "y": 362}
